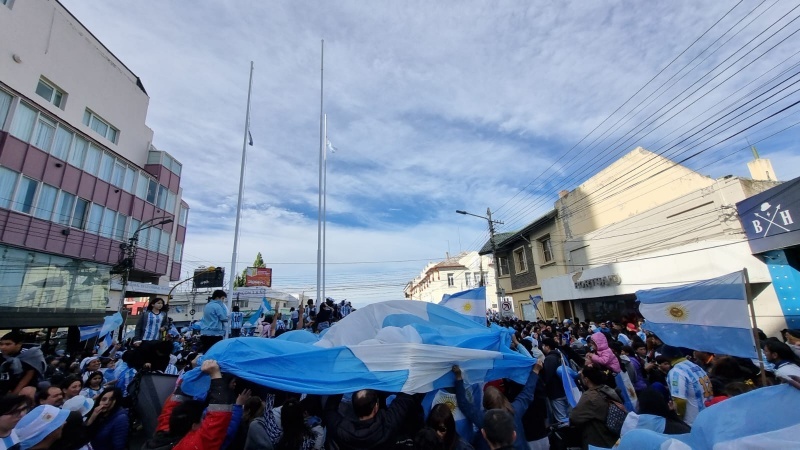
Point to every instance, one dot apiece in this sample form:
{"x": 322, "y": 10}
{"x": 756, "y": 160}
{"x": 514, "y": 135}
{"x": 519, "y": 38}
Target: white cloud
{"x": 434, "y": 106}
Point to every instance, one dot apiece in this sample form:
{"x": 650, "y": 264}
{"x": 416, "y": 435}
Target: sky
{"x": 434, "y": 107}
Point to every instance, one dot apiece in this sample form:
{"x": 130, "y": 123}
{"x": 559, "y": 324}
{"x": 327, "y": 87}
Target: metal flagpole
{"x": 324, "y": 199}
{"x": 755, "y": 326}
{"x": 321, "y": 168}
{"x": 232, "y": 278}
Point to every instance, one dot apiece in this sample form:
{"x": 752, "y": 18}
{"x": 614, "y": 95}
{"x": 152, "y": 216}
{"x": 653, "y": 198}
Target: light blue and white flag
{"x": 763, "y": 418}
{"x": 265, "y": 307}
{"x": 110, "y": 323}
{"x": 710, "y": 315}
{"x": 394, "y": 346}
{"x": 471, "y": 303}
{"x": 568, "y": 380}
{"x": 535, "y": 299}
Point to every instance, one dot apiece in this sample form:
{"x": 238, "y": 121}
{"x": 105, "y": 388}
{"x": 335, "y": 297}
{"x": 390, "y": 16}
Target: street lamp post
{"x": 130, "y": 252}
{"x": 492, "y": 242}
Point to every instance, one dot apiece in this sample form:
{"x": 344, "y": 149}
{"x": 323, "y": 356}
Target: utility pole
{"x": 492, "y": 222}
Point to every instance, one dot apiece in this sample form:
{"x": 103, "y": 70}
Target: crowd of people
{"x": 88, "y": 401}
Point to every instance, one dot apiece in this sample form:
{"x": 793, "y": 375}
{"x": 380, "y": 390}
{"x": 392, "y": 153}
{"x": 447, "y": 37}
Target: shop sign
{"x": 608, "y": 280}
{"x": 770, "y": 218}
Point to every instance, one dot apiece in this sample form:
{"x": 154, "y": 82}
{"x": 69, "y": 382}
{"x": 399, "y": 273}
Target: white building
{"x": 453, "y": 274}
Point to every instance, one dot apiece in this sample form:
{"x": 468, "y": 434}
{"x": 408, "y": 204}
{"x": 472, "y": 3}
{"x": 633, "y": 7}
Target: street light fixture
{"x": 130, "y": 251}
{"x": 492, "y": 222}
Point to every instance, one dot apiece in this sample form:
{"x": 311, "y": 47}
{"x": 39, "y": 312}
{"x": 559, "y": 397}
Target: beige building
{"x": 647, "y": 222}
{"x": 458, "y": 273}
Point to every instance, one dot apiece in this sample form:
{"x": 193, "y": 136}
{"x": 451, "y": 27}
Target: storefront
{"x": 771, "y": 221}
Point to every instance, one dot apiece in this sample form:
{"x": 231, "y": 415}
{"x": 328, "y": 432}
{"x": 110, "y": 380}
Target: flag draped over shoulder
{"x": 391, "y": 346}
{"x": 763, "y": 418}
{"x": 710, "y": 315}
{"x": 471, "y": 303}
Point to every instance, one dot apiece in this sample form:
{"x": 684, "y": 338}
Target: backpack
{"x": 615, "y": 416}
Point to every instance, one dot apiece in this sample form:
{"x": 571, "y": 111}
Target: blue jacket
{"x": 215, "y": 317}
{"x": 474, "y": 413}
{"x": 113, "y": 432}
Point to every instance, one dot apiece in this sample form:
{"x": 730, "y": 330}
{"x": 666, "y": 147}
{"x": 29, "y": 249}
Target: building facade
{"x": 524, "y": 259}
{"x": 79, "y": 175}
{"x": 646, "y": 222}
{"x": 458, "y": 273}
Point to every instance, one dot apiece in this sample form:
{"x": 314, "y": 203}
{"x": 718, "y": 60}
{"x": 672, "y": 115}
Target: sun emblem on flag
{"x": 450, "y": 404}
{"x": 467, "y": 307}
{"x": 678, "y": 312}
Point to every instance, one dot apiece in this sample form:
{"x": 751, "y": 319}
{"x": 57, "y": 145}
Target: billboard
{"x": 258, "y": 276}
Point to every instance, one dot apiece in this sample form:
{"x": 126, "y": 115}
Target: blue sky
{"x": 433, "y": 106}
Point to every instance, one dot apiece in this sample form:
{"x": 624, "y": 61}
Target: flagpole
{"x": 755, "y": 326}
{"x": 232, "y": 278}
{"x": 321, "y": 168}
{"x": 324, "y": 200}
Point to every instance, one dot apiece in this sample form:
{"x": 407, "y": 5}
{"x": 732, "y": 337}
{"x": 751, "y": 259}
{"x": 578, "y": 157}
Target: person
{"x": 782, "y": 357}
{"x": 237, "y": 320}
{"x": 108, "y": 421}
{"x": 215, "y": 317}
{"x": 12, "y": 408}
{"x": 556, "y": 396}
{"x": 441, "y": 420}
{"x": 689, "y": 385}
{"x": 41, "y": 427}
{"x": 295, "y": 316}
{"x": 499, "y": 429}
{"x": 493, "y": 398}
{"x": 89, "y": 365}
{"x": 151, "y": 323}
{"x": 793, "y": 340}
{"x": 181, "y": 424}
{"x": 373, "y": 427}
{"x": 589, "y": 415}
{"x": 635, "y": 369}
{"x": 71, "y": 386}
{"x": 50, "y": 395}
{"x": 296, "y": 435}
{"x": 324, "y": 316}
{"x": 657, "y": 371}
{"x": 602, "y": 355}
{"x": 653, "y": 405}
{"x": 20, "y": 367}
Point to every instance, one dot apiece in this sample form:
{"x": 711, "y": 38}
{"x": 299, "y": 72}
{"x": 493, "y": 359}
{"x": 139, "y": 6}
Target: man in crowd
{"x": 590, "y": 414}
{"x": 20, "y": 367}
{"x": 688, "y": 384}
{"x": 373, "y": 428}
{"x": 237, "y": 319}
{"x": 556, "y": 396}
{"x": 498, "y": 429}
{"x": 782, "y": 357}
{"x": 215, "y": 318}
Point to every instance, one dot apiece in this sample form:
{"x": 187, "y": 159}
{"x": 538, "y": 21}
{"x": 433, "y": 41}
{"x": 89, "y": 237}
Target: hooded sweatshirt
{"x": 604, "y": 357}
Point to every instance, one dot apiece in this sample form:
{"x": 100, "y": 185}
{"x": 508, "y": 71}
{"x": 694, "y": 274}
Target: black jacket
{"x": 553, "y": 384}
{"x": 380, "y": 432}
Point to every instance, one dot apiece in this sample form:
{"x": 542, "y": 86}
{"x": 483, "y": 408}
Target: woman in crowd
{"x": 442, "y": 422}
{"x": 108, "y": 421}
{"x": 71, "y": 386}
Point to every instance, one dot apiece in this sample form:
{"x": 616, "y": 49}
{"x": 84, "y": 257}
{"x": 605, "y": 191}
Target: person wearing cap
{"x": 688, "y": 384}
{"x": 41, "y": 427}
{"x": 12, "y": 409}
{"x": 88, "y": 366}
{"x": 215, "y": 319}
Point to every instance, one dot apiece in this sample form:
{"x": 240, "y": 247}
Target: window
{"x": 8, "y": 179}
{"x": 152, "y": 190}
{"x": 44, "y": 134}
{"x": 118, "y": 176}
{"x": 5, "y": 105}
{"x": 477, "y": 276}
{"x": 183, "y": 216}
{"x": 141, "y": 186}
{"x": 171, "y": 199}
{"x": 177, "y": 253}
{"x": 64, "y": 211}
{"x": 78, "y": 153}
{"x": 99, "y": 125}
{"x": 95, "y": 218}
{"x": 547, "y": 249}
{"x": 26, "y": 192}
{"x": 106, "y": 167}
{"x": 107, "y": 229}
{"x": 162, "y": 197}
{"x": 130, "y": 178}
{"x": 79, "y": 216}
{"x": 450, "y": 279}
{"x": 154, "y": 239}
{"x": 62, "y": 143}
{"x": 51, "y": 93}
{"x": 135, "y": 224}
{"x": 46, "y": 202}
{"x": 163, "y": 247}
{"x": 520, "y": 261}
{"x": 468, "y": 279}
{"x": 24, "y": 120}
{"x": 144, "y": 238}
{"x": 502, "y": 265}
{"x": 92, "y": 160}
{"x": 119, "y": 228}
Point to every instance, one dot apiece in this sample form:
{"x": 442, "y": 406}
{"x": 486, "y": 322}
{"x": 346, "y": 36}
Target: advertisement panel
{"x": 258, "y": 276}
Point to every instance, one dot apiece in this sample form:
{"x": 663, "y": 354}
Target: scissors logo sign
{"x": 772, "y": 218}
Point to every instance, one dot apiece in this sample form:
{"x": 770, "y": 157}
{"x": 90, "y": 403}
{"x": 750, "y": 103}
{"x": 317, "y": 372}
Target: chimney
{"x": 563, "y": 194}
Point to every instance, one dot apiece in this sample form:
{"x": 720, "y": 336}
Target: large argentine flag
{"x": 390, "y": 346}
{"x": 471, "y": 303}
{"x": 763, "y": 418}
{"x": 110, "y": 323}
{"x": 710, "y": 315}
